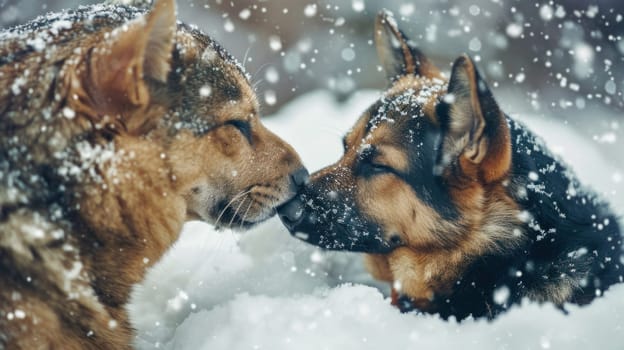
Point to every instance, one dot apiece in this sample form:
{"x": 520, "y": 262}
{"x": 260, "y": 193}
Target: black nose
{"x": 291, "y": 213}
{"x": 300, "y": 177}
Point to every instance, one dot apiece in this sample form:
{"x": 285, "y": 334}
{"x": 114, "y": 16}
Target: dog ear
{"x": 133, "y": 54}
{"x": 475, "y": 129}
{"x": 397, "y": 55}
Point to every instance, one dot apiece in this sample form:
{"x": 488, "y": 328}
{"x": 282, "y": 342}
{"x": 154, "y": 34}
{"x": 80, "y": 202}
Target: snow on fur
{"x": 265, "y": 290}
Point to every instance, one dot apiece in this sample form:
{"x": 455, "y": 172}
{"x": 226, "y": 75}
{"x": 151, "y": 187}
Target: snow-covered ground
{"x": 265, "y": 290}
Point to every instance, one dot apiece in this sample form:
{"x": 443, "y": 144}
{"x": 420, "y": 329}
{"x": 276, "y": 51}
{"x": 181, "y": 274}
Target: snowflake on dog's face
{"x": 407, "y": 107}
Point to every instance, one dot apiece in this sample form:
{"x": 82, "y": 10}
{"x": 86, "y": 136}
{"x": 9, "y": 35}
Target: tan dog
{"x": 116, "y": 127}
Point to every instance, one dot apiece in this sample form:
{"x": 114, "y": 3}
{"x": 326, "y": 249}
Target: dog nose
{"x": 291, "y": 213}
{"x": 300, "y": 177}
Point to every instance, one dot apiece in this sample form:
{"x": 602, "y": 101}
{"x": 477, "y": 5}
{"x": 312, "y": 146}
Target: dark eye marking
{"x": 368, "y": 167}
{"x": 243, "y": 126}
{"x": 345, "y": 146}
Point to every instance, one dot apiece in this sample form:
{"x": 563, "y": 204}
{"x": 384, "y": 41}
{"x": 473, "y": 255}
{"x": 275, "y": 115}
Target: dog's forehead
{"x": 411, "y": 97}
{"x": 214, "y": 68}
{"x": 214, "y": 85}
{"x": 403, "y": 109}
{"x": 196, "y": 46}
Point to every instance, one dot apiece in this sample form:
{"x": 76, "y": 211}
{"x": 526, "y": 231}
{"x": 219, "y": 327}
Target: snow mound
{"x": 208, "y": 268}
{"x": 358, "y": 317}
{"x": 265, "y": 290}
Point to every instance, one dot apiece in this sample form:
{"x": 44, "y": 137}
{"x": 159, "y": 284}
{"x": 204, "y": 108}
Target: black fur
{"x": 571, "y": 236}
{"x": 578, "y": 238}
{"x": 567, "y": 245}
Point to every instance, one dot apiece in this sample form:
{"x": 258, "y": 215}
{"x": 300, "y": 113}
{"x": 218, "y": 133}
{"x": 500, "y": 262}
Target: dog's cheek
{"x": 203, "y": 174}
{"x": 202, "y": 199}
{"x": 382, "y": 200}
{"x": 395, "y": 207}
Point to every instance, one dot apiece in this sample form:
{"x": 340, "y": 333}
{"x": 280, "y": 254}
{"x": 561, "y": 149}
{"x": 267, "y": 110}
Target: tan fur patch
{"x": 425, "y": 265}
{"x": 435, "y": 251}
{"x": 378, "y": 266}
{"x": 393, "y": 204}
{"x": 392, "y": 156}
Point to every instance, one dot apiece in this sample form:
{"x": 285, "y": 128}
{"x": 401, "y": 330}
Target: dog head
{"x": 173, "y": 87}
{"x": 416, "y": 164}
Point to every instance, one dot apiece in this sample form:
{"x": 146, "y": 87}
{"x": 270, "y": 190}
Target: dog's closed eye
{"x": 243, "y": 126}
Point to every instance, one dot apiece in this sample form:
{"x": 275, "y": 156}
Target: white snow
{"x": 205, "y": 91}
{"x": 266, "y": 290}
{"x": 514, "y": 30}
{"x": 310, "y": 10}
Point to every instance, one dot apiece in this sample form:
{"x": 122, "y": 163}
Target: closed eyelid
{"x": 391, "y": 156}
{"x": 243, "y": 125}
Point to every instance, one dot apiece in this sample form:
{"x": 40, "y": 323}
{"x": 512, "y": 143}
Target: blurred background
{"x": 562, "y": 60}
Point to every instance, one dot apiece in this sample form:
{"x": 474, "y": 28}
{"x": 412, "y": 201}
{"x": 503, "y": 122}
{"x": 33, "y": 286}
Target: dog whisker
{"x": 246, "y": 212}
{"x": 246, "y": 56}
{"x": 236, "y": 212}
{"x": 240, "y": 194}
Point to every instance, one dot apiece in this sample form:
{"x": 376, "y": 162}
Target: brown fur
{"x": 449, "y": 206}
{"x": 111, "y": 138}
{"x": 428, "y": 264}
{"x": 434, "y": 251}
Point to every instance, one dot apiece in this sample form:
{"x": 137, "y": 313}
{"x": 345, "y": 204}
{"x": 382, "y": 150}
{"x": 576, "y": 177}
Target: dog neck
{"x": 128, "y": 238}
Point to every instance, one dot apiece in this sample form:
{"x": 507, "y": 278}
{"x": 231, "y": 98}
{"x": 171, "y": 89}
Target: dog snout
{"x": 292, "y": 213}
{"x": 299, "y": 178}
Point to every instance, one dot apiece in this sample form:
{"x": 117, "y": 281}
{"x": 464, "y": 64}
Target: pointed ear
{"x": 397, "y": 55}
{"x": 161, "y": 24}
{"x": 475, "y": 129}
{"x": 134, "y": 53}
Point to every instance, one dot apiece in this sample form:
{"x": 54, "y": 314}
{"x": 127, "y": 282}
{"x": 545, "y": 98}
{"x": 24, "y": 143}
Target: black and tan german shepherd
{"x": 460, "y": 207}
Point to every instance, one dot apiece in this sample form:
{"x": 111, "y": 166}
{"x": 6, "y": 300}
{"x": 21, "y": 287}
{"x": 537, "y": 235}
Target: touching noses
{"x": 291, "y": 213}
{"x": 298, "y": 179}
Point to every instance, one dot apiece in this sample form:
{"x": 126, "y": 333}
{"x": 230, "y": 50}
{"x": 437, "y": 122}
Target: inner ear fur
{"x": 476, "y": 130}
{"x": 118, "y": 70}
{"x": 398, "y": 56}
